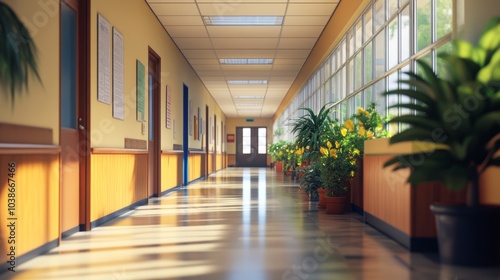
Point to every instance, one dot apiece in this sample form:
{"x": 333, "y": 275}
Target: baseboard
{"x": 171, "y": 190}
{"x": 199, "y": 179}
{"x": 28, "y": 256}
{"x": 414, "y": 244}
{"x": 355, "y": 208}
{"x": 70, "y": 232}
{"x": 117, "y": 213}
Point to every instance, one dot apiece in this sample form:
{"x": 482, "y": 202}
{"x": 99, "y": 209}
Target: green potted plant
{"x": 337, "y": 166}
{"x": 277, "y": 151}
{"x": 311, "y": 182}
{"x": 459, "y": 114}
{"x": 17, "y": 52}
{"x": 309, "y": 128}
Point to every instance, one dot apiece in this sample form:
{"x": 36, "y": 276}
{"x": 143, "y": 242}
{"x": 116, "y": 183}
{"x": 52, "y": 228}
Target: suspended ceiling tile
{"x": 245, "y": 43}
{"x": 293, "y": 53}
{"x": 285, "y": 67}
{"x": 199, "y": 54}
{"x": 175, "y": 9}
{"x": 305, "y": 20}
{"x": 311, "y": 9}
{"x": 203, "y": 61}
{"x": 297, "y": 43}
{"x": 205, "y": 67}
{"x": 312, "y": 31}
{"x": 193, "y": 43}
{"x": 289, "y": 61}
{"x": 181, "y": 20}
{"x": 187, "y": 31}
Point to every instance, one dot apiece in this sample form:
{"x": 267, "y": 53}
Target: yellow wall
{"x": 39, "y": 105}
{"x": 140, "y": 30}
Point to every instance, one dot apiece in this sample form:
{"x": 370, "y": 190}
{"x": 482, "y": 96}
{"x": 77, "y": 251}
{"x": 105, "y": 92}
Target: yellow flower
{"x": 343, "y": 131}
{"x": 349, "y": 125}
{"x": 361, "y": 131}
{"x": 379, "y": 127}
{"x": 369, "y": 134}
{"x": 324, "y": 151}
{"x": 329, "y": 144}
{"x": 333, "y": 153}
{"x": 355, "y": 152}
{"x": 307, "y": 147}
{"x": 352, "y": 173}
{"x": 360, "y": 110}
{"x": 337, "y": 144}
{"x": 366, "y": 113}
{"x": 298, "y": 152}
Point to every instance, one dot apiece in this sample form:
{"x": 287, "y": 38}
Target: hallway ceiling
{"x": 203, "y": 45}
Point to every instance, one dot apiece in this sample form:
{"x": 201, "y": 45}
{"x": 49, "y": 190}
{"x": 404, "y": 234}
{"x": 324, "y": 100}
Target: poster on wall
{"x": 141, "y": 87}
{"x": 118, "y": 105}
{"x": 230, "y": 138}
{"x": 168, "y": 107}
{"x": 103, "y": 60}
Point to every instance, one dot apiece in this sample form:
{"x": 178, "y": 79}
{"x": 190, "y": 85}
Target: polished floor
{"x": 239, "y": 224}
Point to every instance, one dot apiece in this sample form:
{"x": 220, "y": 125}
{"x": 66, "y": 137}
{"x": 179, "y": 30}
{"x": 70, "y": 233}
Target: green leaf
{"x": 417, "y": 107}
{"x": 456, "y": 177}
{"x": 489, "y": 39}
{"x": 415, "y": 94}
{"x": 412, "y": 134}
{"x": 417, "y": 121}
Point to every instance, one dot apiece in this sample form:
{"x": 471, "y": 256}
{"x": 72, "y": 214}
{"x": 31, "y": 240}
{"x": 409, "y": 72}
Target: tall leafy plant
{"x": 17, "y": 52}
{"x": 459, "y": 114}
{"x": 309, "y": 128}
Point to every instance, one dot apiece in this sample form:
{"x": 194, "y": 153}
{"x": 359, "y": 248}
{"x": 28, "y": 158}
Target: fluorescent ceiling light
{"x": 243, "y": 20}
{"x": 246, "y": 61}
{"x": 248, "y": 96}
{"x": 249, "y": 109}
{"x": 247, "y": 82}
{"x": 249, "y": 104}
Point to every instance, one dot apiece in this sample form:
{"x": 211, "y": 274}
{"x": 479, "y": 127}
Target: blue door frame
{"x": 185, "y": 134}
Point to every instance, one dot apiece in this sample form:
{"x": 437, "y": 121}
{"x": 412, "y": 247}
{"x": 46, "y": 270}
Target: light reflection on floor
{"x": 239, "y": 224}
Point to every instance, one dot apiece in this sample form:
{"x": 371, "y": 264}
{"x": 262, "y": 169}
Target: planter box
{"x": 393, "y": 206}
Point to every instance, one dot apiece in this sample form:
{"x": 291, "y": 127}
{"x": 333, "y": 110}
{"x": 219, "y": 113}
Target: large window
{"x": 383, "y": 43}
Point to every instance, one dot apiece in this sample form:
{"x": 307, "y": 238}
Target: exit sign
{"x": 249, "y": 120}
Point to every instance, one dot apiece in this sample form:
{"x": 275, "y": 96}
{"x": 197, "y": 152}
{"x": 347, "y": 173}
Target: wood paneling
{"x": 231, "y": 160}
{"x": 171, "y": 170}
{"x": 196, "y": 166}
{"x": 386, "y": 194}
{"x": 218, "y": 162}
{"x": 357, "y": 186}
{"x": 21, "y": 134}
{"x": 490, "y": 189}
{"x": 36, "y": 201}
{"x": 390, "y": 198}
{"x": 210, "y": 163}
{"x": 117, "y": 180}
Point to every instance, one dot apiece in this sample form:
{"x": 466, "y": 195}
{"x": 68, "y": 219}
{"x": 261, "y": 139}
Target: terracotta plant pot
{"x": 335, "y": 205}
{"x": 279, "y": 166}
{"x": 321, "y": 193}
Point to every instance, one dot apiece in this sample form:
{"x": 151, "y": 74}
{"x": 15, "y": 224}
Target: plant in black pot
{"x": 459, "y": 114}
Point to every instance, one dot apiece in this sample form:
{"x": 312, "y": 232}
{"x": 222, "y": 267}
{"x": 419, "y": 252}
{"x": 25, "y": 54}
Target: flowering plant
{"x": 338, "y": 159}
{"x": 278, "y": 150}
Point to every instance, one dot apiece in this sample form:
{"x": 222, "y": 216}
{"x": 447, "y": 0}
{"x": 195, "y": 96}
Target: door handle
{"x": 81, "y": 127}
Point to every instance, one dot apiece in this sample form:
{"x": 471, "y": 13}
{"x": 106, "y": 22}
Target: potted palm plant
{"x": 459, "y": 114}
{"x": 17, "y": 52}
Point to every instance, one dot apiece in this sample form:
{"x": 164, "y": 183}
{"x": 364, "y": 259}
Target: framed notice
{"x": 168, "y": 107}
{"x": 141, "y": 87}
{"x": 103, "y": 60}
{"x": 118, "y": 105}
{"x": 230, "y": 138}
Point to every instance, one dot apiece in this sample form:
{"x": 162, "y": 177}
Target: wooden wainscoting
{"x": 231, "y": 160}
{"x": 210, "y": 163}
{"x": 36, "y": 209}
{"x": 119, "y": 179}
{"x": 196, "y": 165}
{"x": 490, "y": 189}
{"x": 386, "y": 195}
{"x": 171, "y": 169}
{"x": 218, "y": 162}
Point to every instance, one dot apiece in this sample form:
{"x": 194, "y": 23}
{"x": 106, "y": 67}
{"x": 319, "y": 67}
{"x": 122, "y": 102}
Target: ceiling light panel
{"x": 243, "y": 20}
{"x": 247, "y": 82}
{"x": 246, "y": 61}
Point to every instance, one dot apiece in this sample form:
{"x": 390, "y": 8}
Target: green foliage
{"x": 309, "y": 128}
{"x": 458, "y": 113}
{"x": 277, "y": 150}
{"x": 311, "y": 178}
{"x": 17, "y": 52}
